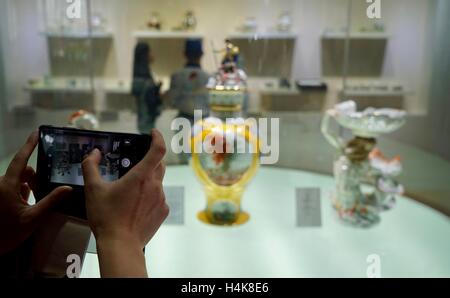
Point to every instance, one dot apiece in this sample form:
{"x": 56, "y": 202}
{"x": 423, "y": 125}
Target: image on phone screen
{"x": 65, "y": 154}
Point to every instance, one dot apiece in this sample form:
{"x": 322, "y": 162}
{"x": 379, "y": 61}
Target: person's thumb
{"x": 49, "y": 202}
{"x": 90, "y": 165}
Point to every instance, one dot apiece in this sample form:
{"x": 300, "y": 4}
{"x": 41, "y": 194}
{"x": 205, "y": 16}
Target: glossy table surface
{"x": 411, "y": 240}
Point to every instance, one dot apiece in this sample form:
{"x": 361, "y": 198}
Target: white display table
{"x": 412, "y": 240}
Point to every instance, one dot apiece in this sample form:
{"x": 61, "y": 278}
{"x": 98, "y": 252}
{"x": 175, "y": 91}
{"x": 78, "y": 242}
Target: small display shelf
{"x": 375, "y": 89}
{"x": 166, "y": 34}
{"x": 375, "y": 93}
{"x": 78, "y": 35}
{"x": 116, "y": 86}
{"x": 263, "y": 35}
{"x": 59, "y": 85}
{"x": 78, "y": 85}
{"x": 355, "y": 35}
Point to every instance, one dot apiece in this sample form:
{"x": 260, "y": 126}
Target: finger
{"x": 29, "y": 176}
{"x": 20, "y": 160}
{"x": 25, "y": 192}
{"x": 160, "y": 171}
{"x": 27, "y": 173}
{"x": 156, "y": 153}
{"x": 90, "y": 165}
{"x": 159, "y": 215}
{"x": 49, "y": 202}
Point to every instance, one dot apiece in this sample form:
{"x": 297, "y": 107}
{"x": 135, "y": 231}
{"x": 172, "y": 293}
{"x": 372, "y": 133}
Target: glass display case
{"x": 303, "y": 59}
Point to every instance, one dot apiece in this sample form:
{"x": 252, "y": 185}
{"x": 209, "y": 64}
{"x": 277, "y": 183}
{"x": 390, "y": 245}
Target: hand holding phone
{"x": 18, "y": 219}
{"x": 125, "y": 214}
{"x": 62, "y": 150}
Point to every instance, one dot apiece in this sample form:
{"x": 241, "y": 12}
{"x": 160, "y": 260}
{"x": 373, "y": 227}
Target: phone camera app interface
{"x": 65, "y": 153}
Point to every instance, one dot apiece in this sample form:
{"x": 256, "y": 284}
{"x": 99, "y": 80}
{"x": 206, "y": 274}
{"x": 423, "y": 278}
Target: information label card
{"x": 175, "y": 201}
{"x": 308, "y": 207}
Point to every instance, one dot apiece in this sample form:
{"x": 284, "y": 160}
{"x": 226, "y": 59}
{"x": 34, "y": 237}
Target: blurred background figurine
{"x": 231, "y": 54}
{"x": 145, "y": 89}
{"x": 284, "y": 23}
{"x": 189, "y": 22}
{"x": 231, "y": 68}
{"x": 155, "y": 21}
{"x": 83, "y": 120}
{"x": 188, "y": 86}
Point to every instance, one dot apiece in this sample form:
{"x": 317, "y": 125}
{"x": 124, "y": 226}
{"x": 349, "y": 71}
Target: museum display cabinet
{"x": 360, "y": 95}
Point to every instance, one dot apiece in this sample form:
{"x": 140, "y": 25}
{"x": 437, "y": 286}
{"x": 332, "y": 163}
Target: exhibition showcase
{"x": 304, "y": 138}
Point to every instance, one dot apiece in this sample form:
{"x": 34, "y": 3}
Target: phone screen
{"x": 65, "y": 153}
{"x": 62, "y": 151}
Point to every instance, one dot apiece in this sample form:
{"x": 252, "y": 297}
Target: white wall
{"x": 216, "y": 19}
{"x": 312, "y": 18}
{"x": 407, "y": 21}
{"x": 24, "y": 50}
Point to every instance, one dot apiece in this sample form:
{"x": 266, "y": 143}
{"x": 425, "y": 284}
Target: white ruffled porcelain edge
{"x": 371, "y": 122}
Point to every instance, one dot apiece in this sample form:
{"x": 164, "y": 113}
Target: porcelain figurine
{"x": 249, "y": 25}
{"x": 83, "y": 120}
{"x": 284, "y": 22}
{"x": 384, "y": 172}
{"x": 155, "y": 21}
{"x": 98, "y": 23}
{"x": 189, "y": 22}
{"x": 360, "y": 163}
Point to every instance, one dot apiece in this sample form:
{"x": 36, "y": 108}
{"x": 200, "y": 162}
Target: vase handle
{"x": 332, "y": 138}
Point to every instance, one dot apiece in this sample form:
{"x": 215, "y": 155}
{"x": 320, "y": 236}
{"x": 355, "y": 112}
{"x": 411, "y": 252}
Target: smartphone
{"x": 62, "y": 150}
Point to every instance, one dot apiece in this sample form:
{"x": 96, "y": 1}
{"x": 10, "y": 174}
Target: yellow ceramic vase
{"x": 225, "y": 158}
